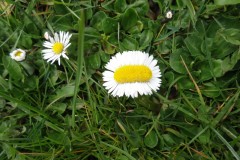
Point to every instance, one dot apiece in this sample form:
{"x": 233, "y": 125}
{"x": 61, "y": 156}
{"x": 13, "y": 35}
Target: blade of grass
{"x": 225, "y": 110}
{"x": 119, "y": 150}
{"x": 194, "y": 82}
{"x": 192, "y": 12}
{"x": 73, "y": 13}
{"x": 33, "y": 110}
{"x": 80, "y": 50}
{"x": 235, "y": 154}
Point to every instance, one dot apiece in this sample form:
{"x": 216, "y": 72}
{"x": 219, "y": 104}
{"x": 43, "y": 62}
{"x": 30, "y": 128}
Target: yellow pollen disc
{"x": 18, "y": 53}
{"x": 58, "y": 48}
{"x": 133, "y": 73}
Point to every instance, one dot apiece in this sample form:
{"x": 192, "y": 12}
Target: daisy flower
{"x": 18, "y": 54}
{"x": 169, "y": 15}
{"x": 56, "y": 46}
{"x": 131, "y": 73}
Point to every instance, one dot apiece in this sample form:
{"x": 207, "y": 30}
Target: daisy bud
{"x": 169, "y": 15}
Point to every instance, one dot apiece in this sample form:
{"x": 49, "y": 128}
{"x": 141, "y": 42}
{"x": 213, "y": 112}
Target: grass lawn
{"x": 54, "y": 104}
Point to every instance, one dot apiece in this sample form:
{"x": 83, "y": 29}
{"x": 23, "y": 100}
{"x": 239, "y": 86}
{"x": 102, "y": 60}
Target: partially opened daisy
{"x": 56, "y": 46}
{"x": 18, "y": 55}
{"x": 132, "y": 73}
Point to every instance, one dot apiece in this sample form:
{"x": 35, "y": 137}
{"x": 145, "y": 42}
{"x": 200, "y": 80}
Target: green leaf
{"x": 191, "y": 10}
{"x": 204, "y": 71}
{"x": 223, "y": 66}
{"x": 109, "y": 25}
{"x": 168, "y": 139}
{"x": 136, "y": 28}
{"x": 129, "y": 19}
{"x": 221, "y": 48}
{"x": 122, "y": 157}
{"x": 31, "y": 83}
{"x": 145, "y": 39}
{"x": 92, "y": 35}
{"x": 104, "y": 57}
{"x": 9, "y": 150}
{"x": 193, "y": 44}
{"x": 231, "y": 35}
{"x": 108, "y": 47}
{"x": 59, "y": 138}
{"x": 226, "y": 2}
{"x": 176, "y": 62}
{"x": 97, "y": 19}
{"x": 210, "y": 90}
{"x": 93, "y": 61}
{"x": 58, "y": 107}
{"x": 120, "y": 5}
{"x": 151, "y": 140}
{"x": 13, "y": 68}
{"x": 65, "y": 91}
{"x": 129, "y": 43}
{"x": 185, "y": 83}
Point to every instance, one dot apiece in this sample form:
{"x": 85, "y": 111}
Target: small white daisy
{"x": 18, "y": 54}
{"x": 131, "y": 73}
{"x": 169, "y": 15}
{"x": 56, "y": 46}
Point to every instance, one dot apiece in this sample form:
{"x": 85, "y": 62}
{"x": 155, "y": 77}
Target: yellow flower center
{"x": 58, "y": 48}
{"x": 18, "y": 53}
{"x": 133, "y": 73}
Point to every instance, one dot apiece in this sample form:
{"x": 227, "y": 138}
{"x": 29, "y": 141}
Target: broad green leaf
{"x": 109, "y": 25}
{"x": 176, "y": 62}
{"x": 151, "y": 140}
{"x": 129, "y": 19}
{"x": 108, "y": 47}
{"x": 129, "y": 43}
{"x": 96, "y": 20}
{"x": 220, "y": 48}
{"x": 65, "y": 91}
{"x": 59, "y": 138}
{"x": 193, "y": 43}
{"x": 226, "y": 2}
{"x": 120, "y": 5}
{"x": 185, "y": 83}
{"x": 3, "y": 84}
{"x": 210, "y": 90}
{"x": 145, "y": 39}
{"x": 225, "y": 65}
{"x": 231, "y": 35}
{"x": 180, "y": 4}
{"x": 92, "y": 35}
{"x": 206, "y": 45}
{"x": 168, "y": 139}
{"x": 13, "y": 68}
{"x": 31, "y": 83}
{"x": 137, "y": 28}
{"x": 104, "y": 57}
{"x": 93, "y": 61}
{"x": 122, "y": 157}
{"x": 204, "y": 71}
{"x": 58, "y": 107}
{"x": 28, "y": 67}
